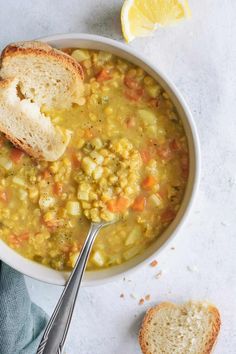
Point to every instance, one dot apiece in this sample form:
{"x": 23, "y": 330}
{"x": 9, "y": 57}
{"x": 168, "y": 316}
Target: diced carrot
{"x": 145, "y": 155}
{"x": 118, "y": 205}
{"x": 164, "y": 152}
{"x": 58, "y": 188}
{"x": 148, "y": 182}
{"x": 24, "y": 236}
{"x": 103, "y": 75}
{"x": 16, "y": 155}
{"x": 154, "y": 263}
{"x": 134, "y": 95}
{"x": 46, "y": 174}
{"x": 139, "y": 203}
{"x": 17, "y": 240}
{"x": 141, "y": 301}
{"x": 174, "y": 145}
{"x": 52, "y": 225}
{"x": 3, "y": 196}
{"x": 75, "y": 161}
{"x": 131, "y": 83}
{"x": 130, "y": 122}
{"x": 168, "y": 215}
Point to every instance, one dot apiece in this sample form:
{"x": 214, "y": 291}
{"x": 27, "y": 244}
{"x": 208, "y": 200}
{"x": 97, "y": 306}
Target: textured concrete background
{"x": 200, "y": 57}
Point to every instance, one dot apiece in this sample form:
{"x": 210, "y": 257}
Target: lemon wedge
{"x": 139, "y": 18}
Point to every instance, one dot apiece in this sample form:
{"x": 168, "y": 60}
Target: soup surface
{"x": 128, "y": 157}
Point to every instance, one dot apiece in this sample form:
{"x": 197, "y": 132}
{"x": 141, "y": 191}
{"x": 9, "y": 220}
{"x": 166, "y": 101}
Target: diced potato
{"x": 161, "y": 135}
{"x": 98, "y": 158}
{"x": 19, "y": 181}
{"x": 103, "y": 57}
{"x": 88, "y": 165}
{"x": 80, "y": 55}
{"x": 151, "y": 131}
{"x": 73, "y": 208}
{"x": 155, "y": 200}
{"x": 153, "y": 91}
{"x": 93, "y": 196}
{"x": 152, "y": 167}
{"x": 46, "y": 201}
{"x": 132, "y": 251}
{"x": 5, "y": 163}
{"x": 84, "y": 186}
{"x": 23, "y": 194}
{"x": 98, "y": 258}
{"x": 97, "y": 173}
{"x": 147, "y": 117}
{"x": 86, "y": 205}
{"x": 134, "y": 236}
{"x": 83, "y": 195}
{"x": 148, "y": 80}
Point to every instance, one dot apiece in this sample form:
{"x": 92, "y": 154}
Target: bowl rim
{"x": 32, "y": 269}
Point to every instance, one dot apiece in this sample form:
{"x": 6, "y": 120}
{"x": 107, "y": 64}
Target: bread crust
{"x": 152, "y": 311}
{"x": 36, "y": 48}
{"x": 20, "y": 143}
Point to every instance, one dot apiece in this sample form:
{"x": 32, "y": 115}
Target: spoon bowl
{"x": 54, "y": 336}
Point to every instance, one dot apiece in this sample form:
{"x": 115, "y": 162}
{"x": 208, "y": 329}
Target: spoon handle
{"x": 55, "y": 333}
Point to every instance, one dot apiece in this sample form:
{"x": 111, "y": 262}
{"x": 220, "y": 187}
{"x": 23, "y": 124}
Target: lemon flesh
{"x": 141, "y": 17}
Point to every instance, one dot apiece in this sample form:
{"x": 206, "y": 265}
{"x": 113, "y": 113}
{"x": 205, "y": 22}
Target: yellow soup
{"x": 128, "y": 157}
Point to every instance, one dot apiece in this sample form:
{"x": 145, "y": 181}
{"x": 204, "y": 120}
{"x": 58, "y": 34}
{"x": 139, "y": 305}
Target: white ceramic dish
{"x": 45, "y": 274}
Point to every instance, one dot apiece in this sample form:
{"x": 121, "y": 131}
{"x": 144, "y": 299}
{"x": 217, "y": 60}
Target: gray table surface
{"x": 200, "y": 57}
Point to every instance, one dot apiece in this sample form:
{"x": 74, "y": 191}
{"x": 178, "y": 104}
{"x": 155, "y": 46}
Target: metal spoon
{"x": 54, "y": 337}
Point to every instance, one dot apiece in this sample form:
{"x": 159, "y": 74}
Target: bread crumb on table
{"x": 158, "y": 275}
{"x": 147, "y": 297}
{"x": 141, "y": 301}
{"x": 192, "y": 268}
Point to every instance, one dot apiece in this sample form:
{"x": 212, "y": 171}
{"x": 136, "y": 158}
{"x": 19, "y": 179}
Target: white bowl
{"x": 48, "y": 275}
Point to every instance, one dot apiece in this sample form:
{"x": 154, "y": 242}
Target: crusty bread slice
{"x": 191, "y": 328}
{"x": 47, "y": 76}
{"x": 25, "y": 126}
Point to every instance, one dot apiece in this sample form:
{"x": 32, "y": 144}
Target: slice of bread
{"x": 47, "y": 76}
{"x": 25, "y": 126}
{"x": 191, "y": 328}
